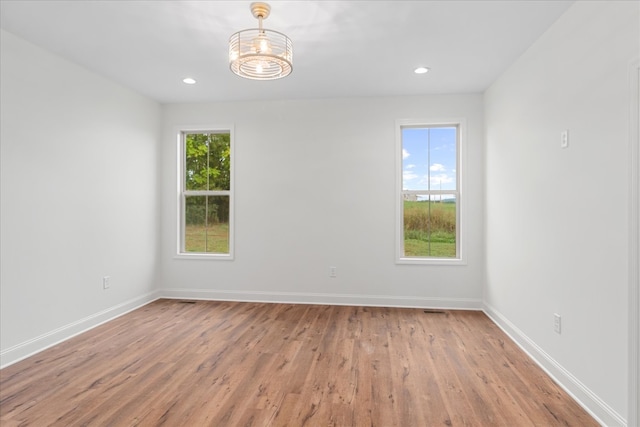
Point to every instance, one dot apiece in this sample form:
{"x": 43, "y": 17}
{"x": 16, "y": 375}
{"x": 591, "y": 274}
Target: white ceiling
{"x": 341, "y": 48}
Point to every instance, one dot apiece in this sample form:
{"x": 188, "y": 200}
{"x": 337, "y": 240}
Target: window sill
{"x": 200, "y": 256}
{"x": 432, "y": 261}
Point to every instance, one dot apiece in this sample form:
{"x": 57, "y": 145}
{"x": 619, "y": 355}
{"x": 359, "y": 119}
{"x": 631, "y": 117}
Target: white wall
{"x": 83, "y": 197}
{"x": 556, "y": 219}
{"x": 315, "y": 187}
{"x": 79, "y": 198}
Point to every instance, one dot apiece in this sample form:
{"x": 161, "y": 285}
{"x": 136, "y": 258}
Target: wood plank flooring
{"x": 206, "y": 363}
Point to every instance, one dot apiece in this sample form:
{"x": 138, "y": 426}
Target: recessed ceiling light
{"x": 189, "y": 81}
{"x": 421, "y": 70}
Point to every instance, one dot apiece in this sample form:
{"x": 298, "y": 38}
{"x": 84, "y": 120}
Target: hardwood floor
{"x": 205, "y": 363}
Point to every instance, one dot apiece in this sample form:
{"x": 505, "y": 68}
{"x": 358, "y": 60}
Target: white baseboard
{"x": 321, "y": 298}
{"x": 597, "y": 408}
{"x": 28, "y": 348}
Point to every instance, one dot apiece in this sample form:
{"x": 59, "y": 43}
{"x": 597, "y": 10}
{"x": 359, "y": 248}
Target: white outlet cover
{"x": 557, "y": 323}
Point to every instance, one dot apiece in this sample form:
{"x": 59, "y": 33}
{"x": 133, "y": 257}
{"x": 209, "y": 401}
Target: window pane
{"x": 429, "y": 157}
{"x": 206, "y": 224}
{"x": 430, "y": 226}
{"x": 219, "y": 156}
{"x": 415, "y": 158}
{"x": 196, "y": 149}
{"x": 207, "y": 161}
{"x": 442, "y": 158}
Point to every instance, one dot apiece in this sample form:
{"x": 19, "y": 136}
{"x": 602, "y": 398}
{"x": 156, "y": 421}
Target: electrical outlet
{"x": 106, "y": 282}
{"x": 333, "y": 271}
{"x": 557, "y": 323}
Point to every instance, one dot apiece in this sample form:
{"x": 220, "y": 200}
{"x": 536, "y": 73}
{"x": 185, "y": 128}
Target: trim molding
{"x": 595, "y": 406}
{"x": 35, "y": 345}
{"x": 322, "y": 298}
{"x": 634, "y": 244}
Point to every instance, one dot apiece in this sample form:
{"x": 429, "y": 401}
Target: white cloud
{"x": 405, "y": 153}
{"x": 410, "y": 166}
{"x": 408, "y": 175}
{"x": 441, "y": 181}
{"x": 442, "y": 178}
{"x": 436, "y": 167}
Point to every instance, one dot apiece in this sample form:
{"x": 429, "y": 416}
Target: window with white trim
{"x": 206, "y": 193}
{"x": 429, "y": 198}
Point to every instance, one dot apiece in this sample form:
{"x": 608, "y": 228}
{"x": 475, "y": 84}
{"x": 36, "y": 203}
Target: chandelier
{"x": 258, "y": 53}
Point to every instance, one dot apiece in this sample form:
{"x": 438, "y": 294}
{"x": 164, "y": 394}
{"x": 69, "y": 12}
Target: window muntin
{"x": 206, "y": 204}
{"x": 429, "y": 193}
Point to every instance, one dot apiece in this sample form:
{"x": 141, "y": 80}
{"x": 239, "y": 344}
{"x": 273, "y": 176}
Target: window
{"x": 429, "y": 202}
{"x": 206, "y": 196}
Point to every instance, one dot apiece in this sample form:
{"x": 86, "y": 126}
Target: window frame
{"x": 182, "y": 193}
{"x": 461, "y": 220}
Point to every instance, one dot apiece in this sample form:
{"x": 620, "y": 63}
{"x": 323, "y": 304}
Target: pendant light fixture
{"x": 258, "y": 53}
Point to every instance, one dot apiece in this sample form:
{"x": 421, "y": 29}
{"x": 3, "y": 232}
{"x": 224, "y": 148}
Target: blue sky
{"x": 429, "y": 154}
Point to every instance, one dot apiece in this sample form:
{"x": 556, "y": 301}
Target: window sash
{"x": 183, "y": 193}
{"x": 430, "y": 192}
{"x": 206, "y": 192}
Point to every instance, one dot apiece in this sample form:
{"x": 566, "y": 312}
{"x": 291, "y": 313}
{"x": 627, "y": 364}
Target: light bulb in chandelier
{"x": 262, "y": 45}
